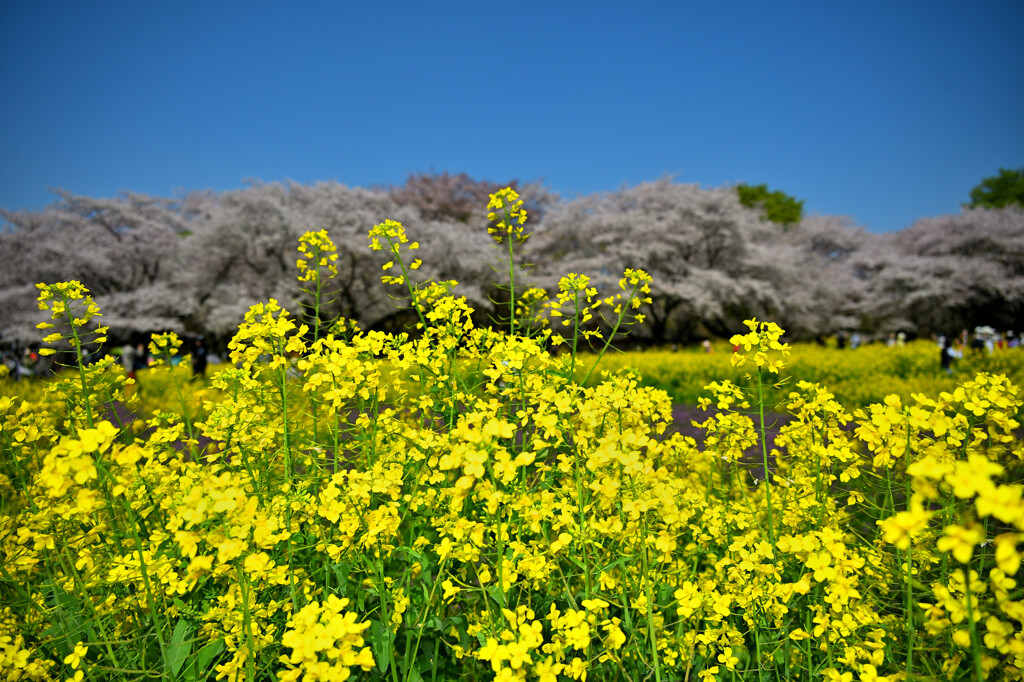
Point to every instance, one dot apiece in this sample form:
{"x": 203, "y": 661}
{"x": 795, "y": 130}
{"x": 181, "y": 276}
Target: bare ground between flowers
{"x": 683, "y": 417}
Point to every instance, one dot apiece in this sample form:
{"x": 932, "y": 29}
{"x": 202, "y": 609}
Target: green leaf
{"x": 208, "y": 653}
{"x": 617, "y": 562}
{"x": 664, "y": 594}
{"x": 54, "y": 632}
{"x": 496, "y": 595}
{"x": 380, "y": 642}
{"x": 179, "y": 648}
{"x": 461, "y": 625}
{"x": 341, "y": 572}
{"x": 576, "y": 562}
{"x": 413, "y": 554}
{"x": 70, "y": 608}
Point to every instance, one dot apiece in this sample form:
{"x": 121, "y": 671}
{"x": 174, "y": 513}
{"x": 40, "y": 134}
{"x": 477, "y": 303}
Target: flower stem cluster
{"x": 505, "y": 209}
{"x": 163, "y": 347}
{"x": 72, "y": 307}
{"x": 390, "y": 236}
{"x": 761, "y": 346}
{"x": 318, "y": 258}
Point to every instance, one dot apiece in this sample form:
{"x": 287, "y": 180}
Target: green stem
{"x": 382, "y": 589}
{"x": 422, "y": 618}
{"x": 408, "y": 284}
{"x": 243, "y": 586}
{"x": 975, "y": 646}
{"x": 286, "y": 435}
{"x": 764, "y": 457}
{"x": 575, "y": 335}
{"x": 651, "y": 632}
{"x": 154, "y": 613}
{"x": 88, "y": 600}
{"x": 181, "y": 401}
{"x": 611, "y": 335}
{"x": 911, "y": 630}
{"x": 316, "y": 337}
{"x": 86, "y": 392}
{"x": 499, "y": 563}
{"x": 581, "y": 504}
{"x": 511, "y": 285}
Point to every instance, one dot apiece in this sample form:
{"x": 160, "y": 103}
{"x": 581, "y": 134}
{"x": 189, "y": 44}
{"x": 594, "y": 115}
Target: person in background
{"x": 141, "y": 357}
{"x": 977, "y": 343}
{"x": 199, "y": 358}
{"x": 948, "y": 354}
{"x": 14, "y": 368}
{"x": 128, "y": 360}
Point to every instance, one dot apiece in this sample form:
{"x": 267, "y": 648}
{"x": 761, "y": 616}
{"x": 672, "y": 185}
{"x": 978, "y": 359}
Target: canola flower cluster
{"x": 319, "y": 257}
{"x": 456, "y": 503}
{"x": 505, "y": 209}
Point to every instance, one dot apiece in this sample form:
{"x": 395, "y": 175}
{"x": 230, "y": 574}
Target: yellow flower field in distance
{"x": 856, "y": 377}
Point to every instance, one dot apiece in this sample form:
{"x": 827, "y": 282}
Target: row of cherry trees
{"x": 195, "y": 264}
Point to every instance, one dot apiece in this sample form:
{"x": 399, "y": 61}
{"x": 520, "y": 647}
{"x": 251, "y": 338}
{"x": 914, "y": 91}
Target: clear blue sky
{"x": 882, "y": 111}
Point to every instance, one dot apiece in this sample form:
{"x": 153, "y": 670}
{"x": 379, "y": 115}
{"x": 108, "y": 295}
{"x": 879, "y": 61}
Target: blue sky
{"x": 882, "y": 111}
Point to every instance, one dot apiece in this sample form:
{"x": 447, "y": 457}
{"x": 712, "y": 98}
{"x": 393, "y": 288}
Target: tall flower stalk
{"x": 505, "y": 210}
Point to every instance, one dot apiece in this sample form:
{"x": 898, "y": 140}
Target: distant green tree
{"x": 1001, "y": 190}
{"x": 778, "y": 207}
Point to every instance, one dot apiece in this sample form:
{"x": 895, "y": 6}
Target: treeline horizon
{"x": 194, "y": 264}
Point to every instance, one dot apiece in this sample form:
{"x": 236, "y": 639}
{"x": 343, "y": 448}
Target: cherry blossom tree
{"x": 195, "y": 263}
{"x": 460, "y": 198}
{"x": 952, "y": 272}
{"x": 118, "y": 248}
{"x": 713, "y": 260}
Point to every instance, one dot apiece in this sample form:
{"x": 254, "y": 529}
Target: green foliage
{"x": 998, "y": 191}
{"x": 778, "y": 206}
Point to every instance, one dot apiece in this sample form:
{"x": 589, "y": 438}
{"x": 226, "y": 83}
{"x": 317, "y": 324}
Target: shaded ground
{"x": 683, "y": 417}
{"x": 118, "y": 413}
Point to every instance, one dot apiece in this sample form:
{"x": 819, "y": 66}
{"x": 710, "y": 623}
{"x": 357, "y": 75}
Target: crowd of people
{"x": 26, "y": 361}
{"x": 984, "y": 340}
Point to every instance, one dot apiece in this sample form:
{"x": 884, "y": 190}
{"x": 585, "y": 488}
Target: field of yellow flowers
{"x": 857, "y": 378}
{"x": 464, "y": 503}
